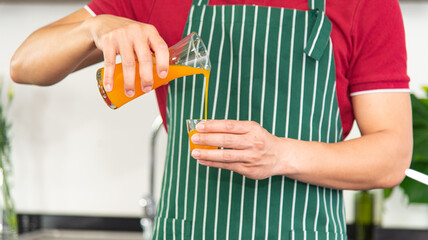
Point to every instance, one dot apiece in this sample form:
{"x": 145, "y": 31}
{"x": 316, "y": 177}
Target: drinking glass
{"x": 191, "y": 129}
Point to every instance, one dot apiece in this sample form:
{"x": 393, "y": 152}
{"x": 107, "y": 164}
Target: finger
{"x": 226, "y": 126}
{"x": 235, "y": 167}
{"x": 222, "y": 155}
{"x": 145, "y": 65}
{"x": 229, "y": 166}
{"x": 243, "y": 169}
{"x": 128, "y": 65}
{"x": 234, "y": 141}
{"x": 160, "y": 48}
{"x": 109, "y": 65}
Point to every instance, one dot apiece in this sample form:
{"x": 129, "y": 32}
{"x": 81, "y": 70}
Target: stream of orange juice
{"x": 116, "y": 98}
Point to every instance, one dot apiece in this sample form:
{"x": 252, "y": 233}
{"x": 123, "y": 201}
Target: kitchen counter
{"x": 80, "y": 235}
{"x": 63, "y": 227}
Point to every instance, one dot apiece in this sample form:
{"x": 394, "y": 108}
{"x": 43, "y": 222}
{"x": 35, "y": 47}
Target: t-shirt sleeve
{"x": 104, "y": 7}
{"x": 379, "y": 58}
{"x": 138, "y": 10}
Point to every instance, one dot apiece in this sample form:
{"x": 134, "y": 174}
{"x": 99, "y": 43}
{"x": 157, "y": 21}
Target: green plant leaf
{"x": 8, "y": 208}
{"x": 425, "y": 88}
{"x": 420, "y": 146}
{"x": 387, "y": 192}
{"x": 416, "y": 192}
{"x": 419, "y": 108}
{"x": 420, "y": 130}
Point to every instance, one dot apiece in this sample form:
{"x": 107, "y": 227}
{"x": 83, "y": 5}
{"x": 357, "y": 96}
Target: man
{"x": 290, "y": 93}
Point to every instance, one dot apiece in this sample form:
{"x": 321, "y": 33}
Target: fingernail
{"x": 195, "y": 138}
{"x": 108, "y": 87}
{"x": 130, "y": 93}
{"x": 163, "y": 74}
{"x": 196, "y": 153}
{"x": 147, "y": 89}
{"x": 200, "y": 126}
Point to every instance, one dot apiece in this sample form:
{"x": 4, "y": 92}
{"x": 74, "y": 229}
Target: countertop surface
{"x": 80, "y": 235}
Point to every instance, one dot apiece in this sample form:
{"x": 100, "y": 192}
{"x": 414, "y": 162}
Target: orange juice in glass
{"x": 191, "y": 129}
{"x": 189, "y": 56}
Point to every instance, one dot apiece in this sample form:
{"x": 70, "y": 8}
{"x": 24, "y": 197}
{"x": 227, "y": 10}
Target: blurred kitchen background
{"x": 72, "y": 155}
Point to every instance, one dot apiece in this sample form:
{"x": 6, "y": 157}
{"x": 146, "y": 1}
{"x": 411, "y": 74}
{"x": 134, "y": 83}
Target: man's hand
{"x": 250, "y": 149}
{"x": 133, "y": 41}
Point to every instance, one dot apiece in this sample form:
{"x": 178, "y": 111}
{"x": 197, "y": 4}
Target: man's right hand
{"x": 132, "y": 41}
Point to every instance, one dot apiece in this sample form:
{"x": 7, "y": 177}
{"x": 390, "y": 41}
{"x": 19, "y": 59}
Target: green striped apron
{"x": 269, "y": 65}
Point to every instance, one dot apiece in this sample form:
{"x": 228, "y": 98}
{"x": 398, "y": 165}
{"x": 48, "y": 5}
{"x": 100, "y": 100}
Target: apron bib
{"x": 273, "y": 66}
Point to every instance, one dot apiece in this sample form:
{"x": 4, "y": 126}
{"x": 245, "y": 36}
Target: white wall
{"x": 73, "y": 155}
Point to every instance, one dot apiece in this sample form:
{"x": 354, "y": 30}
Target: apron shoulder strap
{"x": 200, "y": 2}
{"x": 319, "y": 36}
{"x": 317, "y": 5}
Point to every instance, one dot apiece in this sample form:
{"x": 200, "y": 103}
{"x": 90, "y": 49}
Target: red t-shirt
{"x": 367, "y": 35}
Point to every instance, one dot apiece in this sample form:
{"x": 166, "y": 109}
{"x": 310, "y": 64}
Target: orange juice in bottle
{"x": 116, "y": 98}
{"x": 187, "y": 57}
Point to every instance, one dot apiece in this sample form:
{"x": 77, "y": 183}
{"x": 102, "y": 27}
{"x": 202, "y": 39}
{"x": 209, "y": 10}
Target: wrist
{"x": 89, "y": 27}
{"x": 286, "y": 150}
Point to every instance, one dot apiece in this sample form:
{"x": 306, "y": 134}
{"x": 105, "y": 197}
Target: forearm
{"x": 376, "y": 160}
{"x": 51, "y": 53}
{"x": 79, "y": 40}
